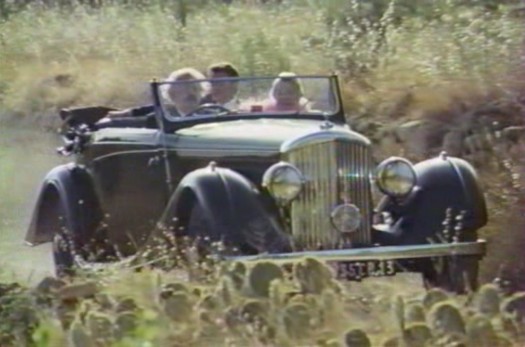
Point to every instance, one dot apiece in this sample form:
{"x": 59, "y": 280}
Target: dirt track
{"x": 25, "y": 157}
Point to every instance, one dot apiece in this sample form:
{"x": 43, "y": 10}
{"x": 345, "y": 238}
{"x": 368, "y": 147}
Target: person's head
{"x": 185, "y": 96}
{"x": 287, "y": 91}
{"x": 222, "y": 91}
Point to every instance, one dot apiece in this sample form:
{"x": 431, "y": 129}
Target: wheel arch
{"x": 227, "y": 197}
{"x": 442, "y": 183}
{"x": 69, "y": 188}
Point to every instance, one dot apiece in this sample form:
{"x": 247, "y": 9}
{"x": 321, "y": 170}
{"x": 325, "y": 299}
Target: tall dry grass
{"x": 381, "y": 48}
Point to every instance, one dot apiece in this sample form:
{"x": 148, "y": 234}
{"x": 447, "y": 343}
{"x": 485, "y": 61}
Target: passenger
{"x": 170, "y": 96}
{"x": 222, "y": 92}
{"x": 184, "y": 96}
{"x": 286, "y": 94}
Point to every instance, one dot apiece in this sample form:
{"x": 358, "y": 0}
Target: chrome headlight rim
{"x": 390, "y": 164}
{"x": 351, "y": 210}
{"x": 280, "y": 168}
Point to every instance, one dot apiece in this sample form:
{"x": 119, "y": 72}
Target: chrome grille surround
{"x": 337, "y": 170}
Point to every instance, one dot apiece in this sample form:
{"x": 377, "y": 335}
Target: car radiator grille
{"x": 335, "y": 172}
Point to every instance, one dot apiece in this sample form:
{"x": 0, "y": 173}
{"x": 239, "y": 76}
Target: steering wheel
{"x": 210, "y": 107}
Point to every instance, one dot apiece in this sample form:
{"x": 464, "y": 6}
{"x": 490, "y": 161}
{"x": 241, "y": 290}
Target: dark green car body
{"x": 132, "y": 175}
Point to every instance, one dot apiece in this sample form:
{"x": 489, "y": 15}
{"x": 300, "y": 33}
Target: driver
{"x": 222, "y": 92}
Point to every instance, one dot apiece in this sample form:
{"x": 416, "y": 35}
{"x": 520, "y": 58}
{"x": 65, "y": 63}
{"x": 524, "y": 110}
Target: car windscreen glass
{"x": 288, "y": 94}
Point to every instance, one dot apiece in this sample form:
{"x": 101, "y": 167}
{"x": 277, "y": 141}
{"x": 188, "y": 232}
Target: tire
{"x": 201, "y": 234}
{"x": 63, "y": 256}
{"x": 455, "y": 274}
{"x": 52, "y": 221}
{"x": 65, "y": 247}
{"x": 257, "y": 236}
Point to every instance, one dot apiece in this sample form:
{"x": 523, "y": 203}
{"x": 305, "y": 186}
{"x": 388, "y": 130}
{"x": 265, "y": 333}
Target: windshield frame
{"x": 168, "y": 122}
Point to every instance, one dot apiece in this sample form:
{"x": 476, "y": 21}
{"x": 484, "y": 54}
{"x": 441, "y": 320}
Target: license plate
{"x": 357, "y": 270}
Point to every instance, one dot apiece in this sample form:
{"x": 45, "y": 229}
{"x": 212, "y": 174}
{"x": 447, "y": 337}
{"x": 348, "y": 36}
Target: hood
{"x": 262, "y": 136}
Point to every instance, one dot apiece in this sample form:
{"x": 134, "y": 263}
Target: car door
{"x": 130, "y": 179}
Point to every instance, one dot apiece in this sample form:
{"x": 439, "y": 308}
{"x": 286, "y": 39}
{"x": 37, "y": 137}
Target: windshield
{"x": 283, "y": 94}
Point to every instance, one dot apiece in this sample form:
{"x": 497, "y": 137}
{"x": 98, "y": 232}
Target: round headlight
{"x": 396, "y": 177}
{"x": 346, "y": 218}
{"x": 284, "y": 181}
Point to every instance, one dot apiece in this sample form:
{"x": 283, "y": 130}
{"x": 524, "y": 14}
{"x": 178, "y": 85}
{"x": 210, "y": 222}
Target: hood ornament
{"x": 327, "y": 124}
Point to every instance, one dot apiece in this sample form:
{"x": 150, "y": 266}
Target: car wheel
{"x": 52, "y": 221}
{"x": 206, "y": 238}
{"x": 64, "y": 247}
{"x": 455, "y": 274}
{"x": 63, "y": 255}
{"x": 256, "y": 236}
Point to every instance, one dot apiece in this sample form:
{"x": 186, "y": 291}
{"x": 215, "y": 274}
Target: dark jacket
{"x": 147, "y": 109}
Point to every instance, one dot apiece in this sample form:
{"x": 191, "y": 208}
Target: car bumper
{"x": 477, "y": 248}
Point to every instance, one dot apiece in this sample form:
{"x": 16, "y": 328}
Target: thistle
{"x": 487, "y": 300}
{"x": 416, "y": 335}
{"x": 434, "y": 296}
{"x": 277, "y": 294}
{"x": 312, "y": 275}
{"x": 126, "y": 304}
{"x": 296, "y": 321}
{"x": 225, "y": 290}
{"x": 328, "y": 304}
{"x": 255, "y": 313}
{"x": 330, "y": 343}
{"x": 444, "y": 318}
{"x": 105, "y": 301}
{"x": 357, "y": 338}
{"x": 392, "y": 342}
{"x": 237, "y": 272}
{"x": 233, "y": 318}
{"x": 254, "y": 310}
{"x": 513, "y": 314}
{"x": 415, "y": 313}
{"x": 125, "y": 323}
{"x": 100, "y": 327}
{"x": 514, "y": 305}
{"x": 480, "y": 332}
{"x": 450, "y": 340}
{"x": 399, "y": 312}
{"x": 209, "y": 303}
{"x": 260, "y": 277}
{"x": 174, "y": 287}
{"x": 78, "y": 335}
{"x": 177, "y": 306}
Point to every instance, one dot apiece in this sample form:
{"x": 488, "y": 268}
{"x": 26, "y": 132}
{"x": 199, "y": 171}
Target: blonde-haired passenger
{"x": 185, "y": 97}
{"x": 179, "y": 99}
{"x": 286, "y": 94}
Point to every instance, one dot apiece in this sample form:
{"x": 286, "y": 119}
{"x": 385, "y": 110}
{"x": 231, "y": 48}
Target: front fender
{"x": 442, "y": 183}
{"x": 70, "y": 187}
{"x": 229, "y": 199}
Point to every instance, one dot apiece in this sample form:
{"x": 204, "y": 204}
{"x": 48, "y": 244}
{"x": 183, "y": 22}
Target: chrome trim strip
{"x": 220, "y": 152}
{"x": 477, "y": 248}
{"x": 152, "y": 151}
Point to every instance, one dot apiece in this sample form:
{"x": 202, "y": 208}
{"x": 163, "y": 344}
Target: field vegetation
{"x": 398, "y": 60}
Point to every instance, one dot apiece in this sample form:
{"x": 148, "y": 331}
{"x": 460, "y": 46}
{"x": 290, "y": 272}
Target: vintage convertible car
{"x": 268, "y": 184}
